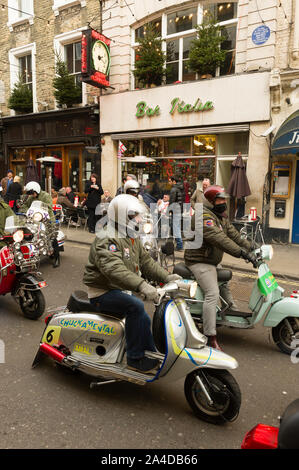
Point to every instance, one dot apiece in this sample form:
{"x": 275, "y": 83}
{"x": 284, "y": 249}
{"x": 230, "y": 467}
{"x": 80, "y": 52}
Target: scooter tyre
{"x": 219, "y": 383}
{"x": 34, "y": 311}
{"x": 282, "y": 337}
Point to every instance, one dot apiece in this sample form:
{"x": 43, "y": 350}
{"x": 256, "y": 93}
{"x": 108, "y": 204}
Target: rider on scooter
{"x": 219, "y": 236}
{"x": 5, "y": 211}
{"x": 35, "y": 193}
{"x": 116, "y": 259}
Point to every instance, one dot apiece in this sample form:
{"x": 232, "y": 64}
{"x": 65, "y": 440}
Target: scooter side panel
{"x": 286, "y": 307}
{"x": 95, "y": 338}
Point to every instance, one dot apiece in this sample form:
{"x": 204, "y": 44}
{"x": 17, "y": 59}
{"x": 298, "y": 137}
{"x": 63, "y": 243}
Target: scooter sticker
{"x": 267, "y": 283}
{"x": 51, "y": 335}
{"x": 83, "y": 349}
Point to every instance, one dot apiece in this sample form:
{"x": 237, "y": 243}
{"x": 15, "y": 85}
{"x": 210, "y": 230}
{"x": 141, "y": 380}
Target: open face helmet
{"x": 213, "y": 192}
{"x": 132, "y": 187}
{"x": 126, "y": 213}
{"x": 32, "y": 187}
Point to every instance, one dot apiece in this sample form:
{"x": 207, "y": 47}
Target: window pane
{"x": 29, "y": 69}
{"x": 204, "y": 145}
{"x": 232, "y": 143}
{"x": 172, "y": 52}
{"x": 152, "y": 147}
{"x": 74, "y": 170}
{"x": 77, "y": 47}
{"x": 178, "y": 146}
{"x": 181, "y": 20}
{"x": 187, "y": 45}
{"x": 229, "y": 33}
{"x": 141, "y": 31}
{"x": 69, "y": 57}
{"x": 228, "y": 67}
{"x": 172, "y": 72}
{"x": 187, "y": 73}
{"x": 222, "y": 11}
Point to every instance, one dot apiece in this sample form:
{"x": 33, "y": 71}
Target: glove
{"x": 149, "y": 292}
{"x": 173, "y": 277}
{"x": 251, "y": 257}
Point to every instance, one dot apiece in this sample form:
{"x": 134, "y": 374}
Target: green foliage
{"x": 205, "y": 51}
{"x": 150, "y": 60}
{"x": 66, "y": 91}
{"x": 21, "y": 99}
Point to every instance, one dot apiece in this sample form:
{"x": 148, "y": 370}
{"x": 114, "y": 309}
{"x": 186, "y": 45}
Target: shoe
{"x": 56, "y": 263}
{"x": 145, "y": 365}
{"x": 212, "y": 342}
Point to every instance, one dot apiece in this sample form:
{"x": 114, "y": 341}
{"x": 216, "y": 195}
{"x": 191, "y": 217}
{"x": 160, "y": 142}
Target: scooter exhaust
{"x": 52, "y": 352}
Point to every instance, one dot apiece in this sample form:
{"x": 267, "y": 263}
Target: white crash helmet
{"x": 122, "y": 211}
{"x": 132, "y": 185}
{"x": 32, "y": 186}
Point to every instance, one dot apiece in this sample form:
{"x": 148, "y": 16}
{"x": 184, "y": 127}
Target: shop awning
{"x": 286, "y": 141}
{"x": 180, "y": 132}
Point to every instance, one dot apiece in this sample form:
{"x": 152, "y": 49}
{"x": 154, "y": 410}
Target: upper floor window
{"x": 25, "y": 65}
{"x": 19, "y": 11}
{"x": 72, "y": 57}
{"x": 61, "y": 4}
{"x": 177, "y": 29}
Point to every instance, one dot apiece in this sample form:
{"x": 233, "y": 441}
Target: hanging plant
{"x": 205, "y": 51}
{"x": 66, "y": 91}
{"x": 150, "y": 60}
{"x": 21, "y": 99}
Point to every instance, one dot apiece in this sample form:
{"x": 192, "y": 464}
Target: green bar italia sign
{"x": 267, "y": 283}
{"x": 177, "y": 105}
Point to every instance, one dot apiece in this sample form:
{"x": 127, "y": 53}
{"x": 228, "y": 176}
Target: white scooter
{"x": 82, "y": 339}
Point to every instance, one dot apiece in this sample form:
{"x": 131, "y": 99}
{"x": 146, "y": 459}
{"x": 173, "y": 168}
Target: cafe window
{"x": 204, "y": 144}
{"x": 178, "y": 146}
{"x": 232, "y": 143}
{"x": 152, "y": 147}
{"x": 132, "y": 148}
{"x": 141, "y": 31}
{"x": 182, "y": 20}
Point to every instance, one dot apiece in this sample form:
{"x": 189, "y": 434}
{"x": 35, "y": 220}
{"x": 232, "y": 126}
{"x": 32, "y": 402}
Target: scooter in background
{"x": 266, "y": 303}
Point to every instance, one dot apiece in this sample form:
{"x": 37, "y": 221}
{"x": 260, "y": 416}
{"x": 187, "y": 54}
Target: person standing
{"x": 14, "y": 193}
{"x": 6, "y": 182}
{"x": 94, "y": 191}
{"x": 176, "y": 201}
{"x": 198, "y": 195}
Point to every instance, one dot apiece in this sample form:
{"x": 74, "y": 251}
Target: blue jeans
{"x": 138, "y": 324}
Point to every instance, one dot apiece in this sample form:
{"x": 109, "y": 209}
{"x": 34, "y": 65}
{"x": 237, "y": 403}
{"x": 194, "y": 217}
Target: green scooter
{"x": 266, "y": 302}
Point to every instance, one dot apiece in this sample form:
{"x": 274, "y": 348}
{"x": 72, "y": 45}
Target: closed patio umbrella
{"x": 238, "y": 186}
{"x": 31, "y": 172}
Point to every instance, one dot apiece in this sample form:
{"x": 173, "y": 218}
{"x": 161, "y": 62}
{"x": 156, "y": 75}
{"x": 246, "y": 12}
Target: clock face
{"x": 100, "y": 57}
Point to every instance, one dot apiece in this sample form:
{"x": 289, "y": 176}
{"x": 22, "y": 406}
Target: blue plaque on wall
{"x": 261, "y": 35}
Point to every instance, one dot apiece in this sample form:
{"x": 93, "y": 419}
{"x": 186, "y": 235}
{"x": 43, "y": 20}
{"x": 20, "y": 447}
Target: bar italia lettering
{"x": 177, "y": 105}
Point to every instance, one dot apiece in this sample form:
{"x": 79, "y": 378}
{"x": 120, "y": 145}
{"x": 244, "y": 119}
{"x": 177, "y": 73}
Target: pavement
{"x": 285, "y": 262}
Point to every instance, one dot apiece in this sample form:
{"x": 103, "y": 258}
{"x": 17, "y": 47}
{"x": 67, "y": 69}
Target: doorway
{"x": 295, "y": 232}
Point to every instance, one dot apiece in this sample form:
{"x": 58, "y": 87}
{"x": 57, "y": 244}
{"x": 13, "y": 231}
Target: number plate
{"x": 51, "y": 335}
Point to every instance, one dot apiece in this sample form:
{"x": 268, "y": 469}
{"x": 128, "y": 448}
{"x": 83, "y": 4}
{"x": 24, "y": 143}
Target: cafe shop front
{"x": 191, "y": 129}
{"x": 70, "y": 135}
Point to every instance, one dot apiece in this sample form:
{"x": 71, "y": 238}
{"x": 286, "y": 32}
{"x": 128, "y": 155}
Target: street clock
{"x": 95, "y": 58}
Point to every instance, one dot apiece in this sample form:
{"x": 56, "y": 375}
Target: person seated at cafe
{"x": 66, "y": 204}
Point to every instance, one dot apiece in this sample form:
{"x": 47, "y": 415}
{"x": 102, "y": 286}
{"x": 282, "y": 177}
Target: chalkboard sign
{"x": 261, "y": 35}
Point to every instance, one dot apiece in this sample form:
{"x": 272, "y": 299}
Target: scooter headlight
{"x": 187, "y": 288}
{"x": 37, "y": 217}
{"x": 267, "y": 252}
{"x": 147, "y": 227}
{"x": 18, "y": 236}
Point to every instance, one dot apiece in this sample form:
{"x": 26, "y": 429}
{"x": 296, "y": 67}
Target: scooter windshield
{"x": 14, "y": 223}
{"x": 38, "y": 206}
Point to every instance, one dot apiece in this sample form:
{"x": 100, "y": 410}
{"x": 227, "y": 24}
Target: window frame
{"x": 59, "y": 5}
{"x": 14, "y": 56}
{"x": 180, "y": 36}
{"x": 15, "y": 17}
{"x": 62, "y": 40}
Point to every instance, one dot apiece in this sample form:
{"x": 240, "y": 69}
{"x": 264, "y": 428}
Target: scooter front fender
{"x": 192, "y": 359}
{"x": 286, "y": 307}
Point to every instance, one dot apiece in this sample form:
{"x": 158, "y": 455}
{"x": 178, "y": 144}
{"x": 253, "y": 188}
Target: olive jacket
{"x": 219, "y": 237}
{"x": 5, "y": 211}
{"x": 115, "y": 263}
{"x": 43, "y": 197}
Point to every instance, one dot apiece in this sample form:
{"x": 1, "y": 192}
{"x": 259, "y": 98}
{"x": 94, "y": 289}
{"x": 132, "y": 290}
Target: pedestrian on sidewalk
{"x": 6, "y": 182}
{"x": 94, "y": 191}
{"x": 14, "y": 192}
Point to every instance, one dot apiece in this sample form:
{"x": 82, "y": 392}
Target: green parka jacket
{"x": 5, "y": 211}
{"x": 43, "y": 197}
{"x": 116, "y": 263}
{"x": 219, "y": 236}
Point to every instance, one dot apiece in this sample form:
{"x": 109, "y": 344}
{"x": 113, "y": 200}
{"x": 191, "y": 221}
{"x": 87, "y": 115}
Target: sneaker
{"x": 145, "y": 365}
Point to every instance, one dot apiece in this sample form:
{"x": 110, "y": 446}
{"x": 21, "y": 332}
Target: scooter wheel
{"x": 222, "y": 389}
{"x": 284, "y": 339}
{"x": 33, "y": 304}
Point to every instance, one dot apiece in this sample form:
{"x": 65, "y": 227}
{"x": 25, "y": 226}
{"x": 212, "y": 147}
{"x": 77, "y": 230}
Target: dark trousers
{"x": 92, "y": 219}
{"x": 138, "y": 324}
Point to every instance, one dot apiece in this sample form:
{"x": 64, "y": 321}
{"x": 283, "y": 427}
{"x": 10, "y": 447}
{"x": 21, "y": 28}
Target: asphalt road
{"x": 48, "y": 407}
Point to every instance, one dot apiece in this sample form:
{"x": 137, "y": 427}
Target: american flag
{"x": 121, "y": 149}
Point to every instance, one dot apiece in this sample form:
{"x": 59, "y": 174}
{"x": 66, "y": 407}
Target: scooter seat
{"x": 223, "y": 275}
{"x": 79, "y": 302}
